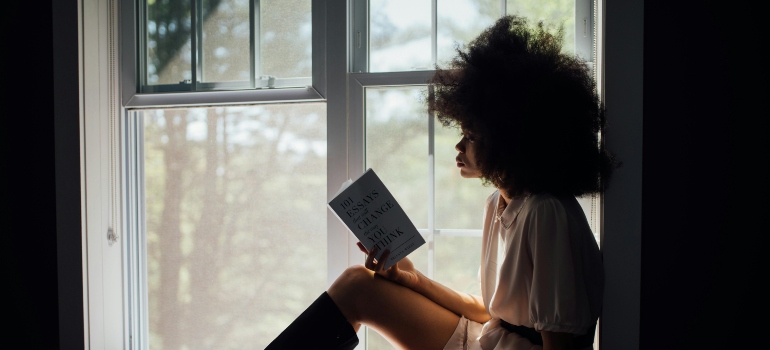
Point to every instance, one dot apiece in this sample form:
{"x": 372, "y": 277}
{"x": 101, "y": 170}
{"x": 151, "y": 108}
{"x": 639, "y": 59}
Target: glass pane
{"x": 399, "y": 35}
{"x": 397, "y": 146}
{"x": 459, "y": 21}
{"x": 459, "y": 201}
{"x": 236, "y": 222}
{"x": 551, "y": 12}
{"x": 168, "y": 42}
{"x": 457, "y": 263}
{"x": 285, "y": 36}
{"x": 225, "y": 41}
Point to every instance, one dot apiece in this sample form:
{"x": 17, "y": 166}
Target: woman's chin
{"x": 464, "y": 173}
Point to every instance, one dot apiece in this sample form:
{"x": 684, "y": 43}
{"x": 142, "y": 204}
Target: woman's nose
{"x": 460, "y": 147}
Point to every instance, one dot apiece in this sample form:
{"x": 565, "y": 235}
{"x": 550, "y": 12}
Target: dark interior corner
{"x": 703, "y": 176}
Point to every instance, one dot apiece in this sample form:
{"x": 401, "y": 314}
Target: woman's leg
{"x": 404, "y": 317}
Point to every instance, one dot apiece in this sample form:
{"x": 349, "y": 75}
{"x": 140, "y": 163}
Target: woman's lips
{"x": 459, "y": 162}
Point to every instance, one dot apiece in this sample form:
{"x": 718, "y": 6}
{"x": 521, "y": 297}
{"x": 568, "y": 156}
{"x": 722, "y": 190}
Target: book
{"x": 375, "y": 218}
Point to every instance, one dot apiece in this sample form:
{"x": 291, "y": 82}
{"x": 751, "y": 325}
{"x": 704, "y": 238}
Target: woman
{"x": 529, "y": 117}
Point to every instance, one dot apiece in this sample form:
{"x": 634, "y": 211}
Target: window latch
{"x": 270, "y": 81}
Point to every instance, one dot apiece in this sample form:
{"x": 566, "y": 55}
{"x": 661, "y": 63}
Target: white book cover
{"x": 375, "y": 218}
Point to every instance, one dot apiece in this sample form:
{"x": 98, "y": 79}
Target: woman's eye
{"x": 467, "y": 136}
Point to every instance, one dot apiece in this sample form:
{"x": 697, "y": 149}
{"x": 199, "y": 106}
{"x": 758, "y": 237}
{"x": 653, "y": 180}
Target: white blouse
{"x": 540, "y": 268}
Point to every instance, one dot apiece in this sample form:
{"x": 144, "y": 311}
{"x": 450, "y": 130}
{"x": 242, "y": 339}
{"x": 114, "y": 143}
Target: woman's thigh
{"x": 406, "y": 318}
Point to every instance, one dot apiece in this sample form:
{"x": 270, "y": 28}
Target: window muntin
{"x": 235, "y": 245}
{"x": 201, "y": 45}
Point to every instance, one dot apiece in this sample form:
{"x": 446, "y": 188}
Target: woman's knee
{"x": 354, "y": 278}
{"x": 348, "y": 290}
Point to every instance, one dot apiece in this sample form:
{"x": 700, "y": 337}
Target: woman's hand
{"x": 402, "y": 272}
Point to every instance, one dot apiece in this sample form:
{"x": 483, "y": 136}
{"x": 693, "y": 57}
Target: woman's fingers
{"x": 362, "y": 248}
{"x": 377, "y": 266}
{"x": 381, "y": 261}
{"x": 370, "y": 260}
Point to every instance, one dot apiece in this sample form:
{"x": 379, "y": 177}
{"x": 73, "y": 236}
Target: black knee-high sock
{"x": 321, "y": 326}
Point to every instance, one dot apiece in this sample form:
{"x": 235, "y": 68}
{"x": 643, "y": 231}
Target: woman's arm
{"x": 404, "y": 273}
{"x": 470, "y": 306}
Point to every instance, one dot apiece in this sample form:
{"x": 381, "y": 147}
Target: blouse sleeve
{"x": 556, "y": 302}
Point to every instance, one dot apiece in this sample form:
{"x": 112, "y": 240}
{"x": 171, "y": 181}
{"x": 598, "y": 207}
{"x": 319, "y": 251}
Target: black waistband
{"x": 580, "y": 341}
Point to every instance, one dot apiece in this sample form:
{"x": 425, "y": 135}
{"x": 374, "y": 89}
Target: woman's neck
{"x": 506, "y": 197}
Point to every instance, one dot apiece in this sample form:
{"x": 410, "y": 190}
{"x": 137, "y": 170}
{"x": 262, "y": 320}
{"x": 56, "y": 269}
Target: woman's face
{"x": 466, "y": 158}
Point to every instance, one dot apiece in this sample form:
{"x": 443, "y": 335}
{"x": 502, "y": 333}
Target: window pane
{"x": 236, "y": 222}
{"x": 459, "y": 21}
{"x": 285, "y": 38}
{"x": 399, "y": 37}
{"x": 457, "y": 263}
{"x": 225, "y": 41}
{"x": 397, "y": 146}
{"x": 168, "y": 42}
{"x": 459, "y": 201}
{"x": 553, "y": 12}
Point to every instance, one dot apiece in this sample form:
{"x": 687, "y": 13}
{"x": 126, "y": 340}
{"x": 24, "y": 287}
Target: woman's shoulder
{"x": 543, "y": 199}
{"x": 547, "y": 202}
{"x": 548, "y": 198}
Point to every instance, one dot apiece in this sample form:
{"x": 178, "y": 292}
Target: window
{"x": 227, "y": 111}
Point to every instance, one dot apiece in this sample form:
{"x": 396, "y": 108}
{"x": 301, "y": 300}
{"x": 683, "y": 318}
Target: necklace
{"x": 500, "y": 210}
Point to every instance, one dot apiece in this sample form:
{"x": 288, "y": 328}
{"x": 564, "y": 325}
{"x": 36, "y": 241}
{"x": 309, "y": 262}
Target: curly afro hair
{"x": 533, "y": 110}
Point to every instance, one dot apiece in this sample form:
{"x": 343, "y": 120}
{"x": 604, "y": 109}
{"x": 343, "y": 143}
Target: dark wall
{"x": 67, "y": 166}
{"x": 40, "y": 170}
{"x": 29, "y": 216}
{"x": 702, "y": 168}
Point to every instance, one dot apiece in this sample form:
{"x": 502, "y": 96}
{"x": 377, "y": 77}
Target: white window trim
{"x": 103, "y": 282}
{"x": 106, "y": 308}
